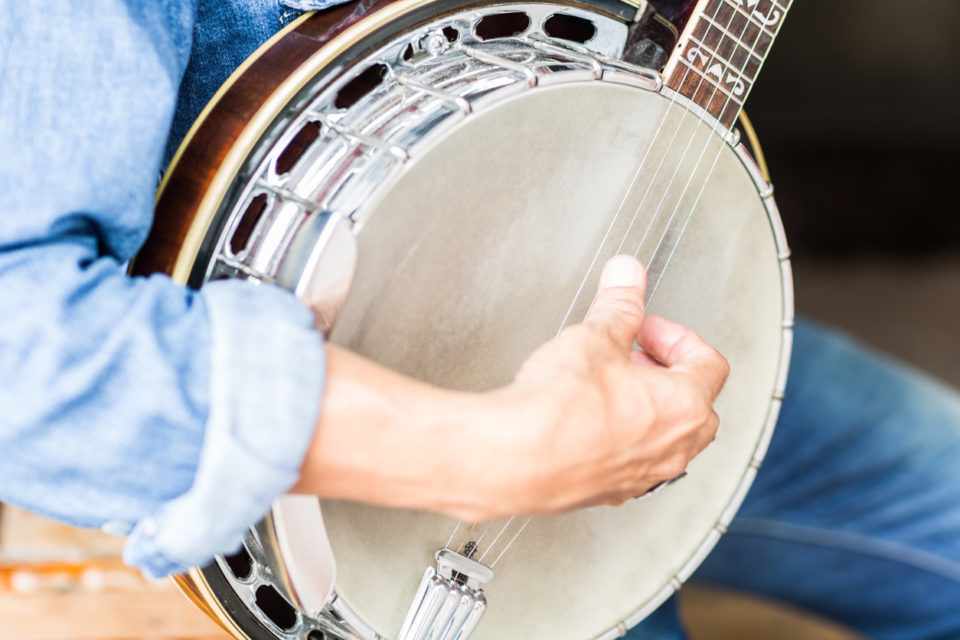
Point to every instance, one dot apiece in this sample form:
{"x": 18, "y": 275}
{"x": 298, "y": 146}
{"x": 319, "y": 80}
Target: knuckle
{"x": 723, "y": 367}
{"x": 670, "y": 467}
{"x": 675, "y": 465}
{"x": 694, "y": 406}
{"x": 702, "y": 407}
{"x": 708, "y": 433}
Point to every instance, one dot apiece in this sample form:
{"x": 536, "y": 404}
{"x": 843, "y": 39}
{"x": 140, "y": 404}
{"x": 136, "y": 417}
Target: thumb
{"x": 618, "y": 307}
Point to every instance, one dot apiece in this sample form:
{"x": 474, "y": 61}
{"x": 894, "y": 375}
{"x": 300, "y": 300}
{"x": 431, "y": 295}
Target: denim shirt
{"x": 134, "y": 404}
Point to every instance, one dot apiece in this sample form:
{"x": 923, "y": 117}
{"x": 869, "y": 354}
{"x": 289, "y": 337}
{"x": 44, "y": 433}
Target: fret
{"x": 711, "y": 23}
{"x": 763, "y": 22}
{"x": 744, "y": 66}
{"x": 712, "y": 98}
{"x": 730, "y": 95}
{"x": 721, "y": 51}
{"x": 737, "y": 24}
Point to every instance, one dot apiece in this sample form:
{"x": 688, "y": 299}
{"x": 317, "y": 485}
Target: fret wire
{"x": 776, "y": 4}
{"x": 709, "y": 80}
{"x": 741, "y": 71}
{"x": 760, "y": 68}
{"x": 744, "y": 79}
{"x": 773, "y": 38}
{"x": 750, "y": 17}
{"x": 726, "y": 33}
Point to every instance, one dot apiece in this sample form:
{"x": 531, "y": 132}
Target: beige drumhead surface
{"x": 471, "y": 260}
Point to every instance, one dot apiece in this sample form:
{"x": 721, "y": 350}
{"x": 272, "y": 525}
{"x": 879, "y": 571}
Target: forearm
{"x": 388, "y": 439}
{"x": 581, "y": 424}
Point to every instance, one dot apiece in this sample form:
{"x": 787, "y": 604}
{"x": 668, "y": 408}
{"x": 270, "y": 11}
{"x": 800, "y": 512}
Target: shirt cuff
{"x": 268, "y": 370}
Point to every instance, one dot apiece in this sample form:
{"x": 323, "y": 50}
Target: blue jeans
{"x": 855, "y": 514}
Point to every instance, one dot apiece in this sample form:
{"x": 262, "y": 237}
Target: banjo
{"x": 441, "y": 181}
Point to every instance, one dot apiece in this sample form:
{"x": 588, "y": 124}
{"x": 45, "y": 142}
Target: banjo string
{"x": 656, "y": 215}
{"x": 693, "y": 208}
{"x": 623, "y": 201}
{"x": 620, "y": 209}
{"x": 454, "y": 533}
{"x": 483, "y": 535}
{"x": 687, "y": 218}
{"x": 668, "y": 228}
{"x": 501, "y": 532}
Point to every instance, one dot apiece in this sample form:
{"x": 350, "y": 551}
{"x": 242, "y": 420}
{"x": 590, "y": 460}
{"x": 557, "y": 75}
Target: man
{"x": 177, "y": 417}
{"x": 133, "y": 404}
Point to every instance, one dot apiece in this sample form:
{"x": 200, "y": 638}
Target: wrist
{"x": 390, "y": 440}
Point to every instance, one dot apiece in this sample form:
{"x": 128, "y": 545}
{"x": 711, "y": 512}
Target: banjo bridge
{"x": 450, "y": 602}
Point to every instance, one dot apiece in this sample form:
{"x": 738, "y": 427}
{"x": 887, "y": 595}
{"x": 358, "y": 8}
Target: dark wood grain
{"x": 189, "y": 179}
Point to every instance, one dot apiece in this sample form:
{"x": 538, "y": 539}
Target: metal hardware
{"x": 245, "y": 269}
{"x": 435, "y": 43}
{"x": 322, "y": 244}
{"x": 453, "y": 566}
{"x": 456, "y": 101}
{"x": 449, "y": 602}
{"x": 319, "y": 266}
{"x": 288, "y": 195}
{"x": 587, "y": 58}
{"x": 660, "y": 486}
{"x": 363, "y": 138}
{"x": 530, "y": 78}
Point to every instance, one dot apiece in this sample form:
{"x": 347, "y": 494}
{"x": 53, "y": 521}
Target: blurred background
{"x": 857, "y": 112}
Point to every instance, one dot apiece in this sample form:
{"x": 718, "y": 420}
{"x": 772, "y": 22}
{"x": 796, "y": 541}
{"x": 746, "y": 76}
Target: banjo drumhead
{"x": 475, "y": 255}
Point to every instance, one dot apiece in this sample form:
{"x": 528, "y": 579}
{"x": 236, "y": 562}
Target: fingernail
{"x": 622, "y": 271}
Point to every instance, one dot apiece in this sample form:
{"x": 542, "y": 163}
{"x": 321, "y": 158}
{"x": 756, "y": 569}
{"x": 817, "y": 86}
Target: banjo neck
{"x": 720, "y": 53}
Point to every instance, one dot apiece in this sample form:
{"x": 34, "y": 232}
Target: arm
{"x": 128, "y": 403}
{"x": 177, "y": 416}
{"x": 585, "y": 422}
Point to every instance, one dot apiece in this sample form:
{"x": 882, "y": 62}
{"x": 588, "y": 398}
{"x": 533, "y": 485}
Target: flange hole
{"x": 240, "y": 563}
{"x": 300, "y": 143}
{"x": 450, "y": 34}
{"x": 568, "y": 27}
{"x": 276, "y": 608}
{"x": 248, "y": 222}
{"x": 502, "y": 25}
{"x": 360, "y": 86}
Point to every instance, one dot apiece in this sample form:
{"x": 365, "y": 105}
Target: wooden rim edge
{"x": 240, "y": 149}
{"x": 196, "y": 589}
{"x": 221, "y": 91}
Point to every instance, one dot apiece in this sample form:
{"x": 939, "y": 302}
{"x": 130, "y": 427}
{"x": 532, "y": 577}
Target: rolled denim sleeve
{"x": 267, "y": 371}
{"x": 132, "y": 404}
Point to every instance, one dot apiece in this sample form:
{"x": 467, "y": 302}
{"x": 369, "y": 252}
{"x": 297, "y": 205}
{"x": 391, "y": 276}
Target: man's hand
{"x": 617, "y": 422}
{"x": 586, "y": 421}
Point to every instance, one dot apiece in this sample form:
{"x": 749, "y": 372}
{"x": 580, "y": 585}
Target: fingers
{"x": 642, "y": 357}
{"x": 618, "y": 307}
{"x": 680, "y": 348}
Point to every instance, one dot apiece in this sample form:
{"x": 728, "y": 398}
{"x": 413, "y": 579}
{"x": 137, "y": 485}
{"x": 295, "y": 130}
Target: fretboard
{"x": 721, "y": 51}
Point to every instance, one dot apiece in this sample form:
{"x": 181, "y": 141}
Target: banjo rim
{"x": 196, "y": 585}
